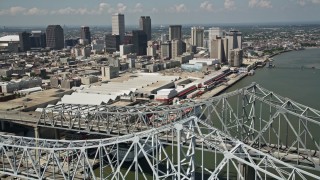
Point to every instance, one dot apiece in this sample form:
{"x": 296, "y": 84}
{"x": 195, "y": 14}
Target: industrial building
{"x": 208, "y": 62}
{"x": 197, "y": 67}
{"x": 142, "y": 85}
{"x": 11, "y": 86}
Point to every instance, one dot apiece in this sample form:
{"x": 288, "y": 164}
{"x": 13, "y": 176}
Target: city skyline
{"x": 97, "y": 12}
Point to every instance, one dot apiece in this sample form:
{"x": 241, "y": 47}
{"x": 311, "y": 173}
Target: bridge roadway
{"x": 20, "y": 117}
{"x": 245, "y": 124}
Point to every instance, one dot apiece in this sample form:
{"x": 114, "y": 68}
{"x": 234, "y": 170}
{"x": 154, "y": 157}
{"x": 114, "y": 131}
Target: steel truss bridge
{"x": 251, "y": 133}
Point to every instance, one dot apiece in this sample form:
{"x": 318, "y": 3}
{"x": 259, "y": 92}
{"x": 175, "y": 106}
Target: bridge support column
{"x": 247, "y": 172}
{"x": 178, "y": 127}
{"x": 56, "y": 134}
{"x": 36, "y": 132}
{"x": 36, "y": 136}
{"x": 2, "y": 126}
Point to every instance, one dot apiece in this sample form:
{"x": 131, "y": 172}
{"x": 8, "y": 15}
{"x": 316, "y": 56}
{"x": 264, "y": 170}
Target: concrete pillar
{"x": 2, "y": 126}
{"x": 36, "y": 132}
{"x": 36, "y": 135}
{"x": 56, "y": 134}
{"x": 178, "y": 127}
{"x": 247, "y": 172}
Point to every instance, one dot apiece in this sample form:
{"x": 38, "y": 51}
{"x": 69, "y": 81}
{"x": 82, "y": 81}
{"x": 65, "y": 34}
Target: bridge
{"x": 251, "y": 133}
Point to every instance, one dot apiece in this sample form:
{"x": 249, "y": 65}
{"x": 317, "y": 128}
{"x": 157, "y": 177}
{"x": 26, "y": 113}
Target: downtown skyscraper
{"x": 118, "y": 26}
{"x": 175, "y": 32}
{"x": 145, "y": 25}
{"x": 197, "y": 36}
{"x": 85, "y": 34}
{"x": 55, "y": 37}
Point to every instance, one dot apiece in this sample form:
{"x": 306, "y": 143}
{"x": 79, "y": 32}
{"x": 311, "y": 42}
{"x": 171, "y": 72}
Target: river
{"x": 286, "y": 79}
{"x": 292, "y": 77}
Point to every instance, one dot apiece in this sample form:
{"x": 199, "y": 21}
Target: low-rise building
{"x": 89, "y": 80}
{"x": 109, "y": 72}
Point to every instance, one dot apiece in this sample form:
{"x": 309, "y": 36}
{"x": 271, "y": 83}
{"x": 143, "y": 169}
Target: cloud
{"x": 315, "y": 1}
{"x": 100, "y": 9}
{"x": 138, "y": 8}
{"x": 36, "y": 11}
{"x": 178, "y": 8}
{"x": 105, "y": 7}
{"x": 301, "y": 2}
{"x": 260, "y": 3}
{"x": 13, "y": 11}
{"x": 154, "y": 10}
{"x": 207, "y": 6}
{"x": 229, "y": 4}
{"x": 121, "y": 8}
{"x": 72, "y": 11}
{"x": 304, "y": 2}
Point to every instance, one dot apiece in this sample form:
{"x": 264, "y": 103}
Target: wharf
{"x": 222, "y": 87}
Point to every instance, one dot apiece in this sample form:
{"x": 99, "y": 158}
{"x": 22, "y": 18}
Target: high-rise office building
{"x": 139, "y": 41}
{"x": 175, "y": 32}
{"x": 112, "y": 43}
{"x": 234, "y": 39}
{"x": 218, "y": 49}
{"x": 178, "y": 47}
{"x": 164, "y": 37}
{"x": 165, "y": 50}
{"x": 118, "y": 27}
{"x": 55, "y": 37}
{"x": 38, "y": 39}
{"x": 197, "y": 35}
{"x": 145, "y": 25}
{"x": 85, "y": 34}
{"x": 24, "y": 38}
{"x": 213, "y": 33}
{"x": 235, "y": 57}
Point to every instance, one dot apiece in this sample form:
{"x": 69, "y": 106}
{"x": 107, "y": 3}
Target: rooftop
{"x": 9, "y": 38}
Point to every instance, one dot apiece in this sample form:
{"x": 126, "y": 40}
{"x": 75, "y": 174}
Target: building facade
{"x": 118, "y": 25}
{"x": 112, "y": 43}
{"x": 177, "y": 48}
{"x": 197, "y": 36}
{"x": 38, "y": 39}
{"x": 175, "y": 32}
{"x": 24, "y": 38}
{"x": 145, "y": 25}
{"x": 85, "y": 34}
{"x": 166, "y": 50}
{"x": 139, "y": 41}
{"x": 235, "y": 57}
{"x": 55, "y": 37}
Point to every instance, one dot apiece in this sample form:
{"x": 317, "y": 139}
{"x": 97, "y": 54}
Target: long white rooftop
{"x": 10, "y": 38}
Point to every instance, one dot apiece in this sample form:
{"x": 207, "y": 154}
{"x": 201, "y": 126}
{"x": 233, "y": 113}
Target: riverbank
{"x": 281, "y": 52}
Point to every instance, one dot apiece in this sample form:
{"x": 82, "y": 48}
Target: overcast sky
{"x": 98, "y": 12}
